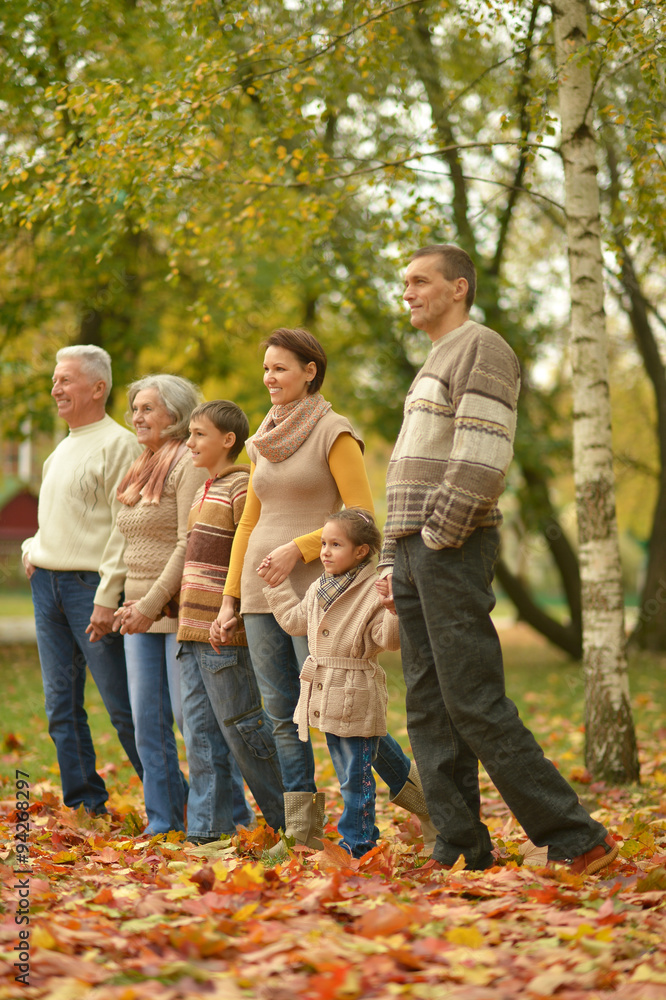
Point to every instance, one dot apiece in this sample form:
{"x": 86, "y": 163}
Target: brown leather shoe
{"x": 592, "y": 861}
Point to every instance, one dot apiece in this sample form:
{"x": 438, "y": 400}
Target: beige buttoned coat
{"x": 343, "y": 687}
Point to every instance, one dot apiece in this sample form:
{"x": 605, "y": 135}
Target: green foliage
{"x": 179, "y": 179}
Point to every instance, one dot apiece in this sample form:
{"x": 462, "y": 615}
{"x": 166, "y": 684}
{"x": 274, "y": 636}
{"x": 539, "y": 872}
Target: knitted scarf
{"x": 146, "y": 476}
{"x": 285, "y": 428}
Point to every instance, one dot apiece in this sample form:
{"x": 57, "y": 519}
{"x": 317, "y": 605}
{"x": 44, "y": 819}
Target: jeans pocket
{"x": 256, "y": 735}
{"x": 214, "y": 662}
{"x": 88, "y": 579}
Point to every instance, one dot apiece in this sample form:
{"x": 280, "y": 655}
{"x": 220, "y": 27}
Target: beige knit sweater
{"x": 296, "y": 497}
{"x": 156, "y": 538}
{"x": 343, "y": 688}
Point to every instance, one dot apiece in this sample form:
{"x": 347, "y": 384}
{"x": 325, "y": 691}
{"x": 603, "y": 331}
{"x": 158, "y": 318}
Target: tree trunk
{"x": 566, "y": 637}
{"x": 610, "y": 747}
{"x": 650, "y": 630}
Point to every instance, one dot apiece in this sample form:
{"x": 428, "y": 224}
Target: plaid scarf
{"x": 330, "y": 587}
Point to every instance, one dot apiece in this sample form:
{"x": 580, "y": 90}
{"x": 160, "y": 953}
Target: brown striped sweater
{"x": 210, "y": 532}
{"x": 449, "y": 463}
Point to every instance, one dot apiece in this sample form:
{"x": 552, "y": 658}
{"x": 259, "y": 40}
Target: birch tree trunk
{"x": 610, "y": 747}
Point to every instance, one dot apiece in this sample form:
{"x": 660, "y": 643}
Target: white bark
{"x": 610, "y": 740}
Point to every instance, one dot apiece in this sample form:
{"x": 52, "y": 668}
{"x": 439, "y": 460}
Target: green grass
{"x": 547, "y": 688}
{"x": 15, "y": 604}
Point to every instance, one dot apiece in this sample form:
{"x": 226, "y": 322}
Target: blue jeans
{"x": 64, "y": 602}
{"x": 151, "y": 658}
{"x": 277, "y": 659}
{"x": 225, "y": 726}
{"x": 458, "y": 713}
{"x": 352, "y": 758}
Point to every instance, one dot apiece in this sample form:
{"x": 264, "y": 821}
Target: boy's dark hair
{"x": 305, "y": 346}
{"x": 226, "y": 416}
{"x": 360, "y": 527}
{"x": 454, "y": 263}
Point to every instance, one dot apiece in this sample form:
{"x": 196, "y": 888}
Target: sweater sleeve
{"x": 187, "y": 480}
{"x": 484, "y": 392}
{"x": 384, "y": 629}
{"x": 112, "y": 569}
{"x": 289, "y": 610}
{"x": 345, "y": 460}
{"x": 246, "y": 525}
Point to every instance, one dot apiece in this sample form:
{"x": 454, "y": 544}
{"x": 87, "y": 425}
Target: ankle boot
{"x": 411, "y": 798}
{"x": 304, "y": 821}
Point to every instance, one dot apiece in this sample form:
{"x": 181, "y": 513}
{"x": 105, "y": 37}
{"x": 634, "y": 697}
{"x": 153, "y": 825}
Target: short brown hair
{"x": 305, "y": 347}
{"x": 360, "y": 527}
{"x": 455, "y": 263}
{"x": 225, "y": 416}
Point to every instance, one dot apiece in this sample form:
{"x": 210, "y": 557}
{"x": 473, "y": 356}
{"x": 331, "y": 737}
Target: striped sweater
{"x": 449, "y": 463}
{"x": 211, "y": 528}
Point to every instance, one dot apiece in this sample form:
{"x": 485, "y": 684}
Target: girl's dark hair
{"x": 360, "y": 527}
{"x": 306, "y": 348}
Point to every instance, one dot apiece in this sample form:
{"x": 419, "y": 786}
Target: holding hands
{"x": 225, "y": 625}
{"x": 130, "y": 621}
{"x": 278, "y": 564}
{"x": 385, "y": 590}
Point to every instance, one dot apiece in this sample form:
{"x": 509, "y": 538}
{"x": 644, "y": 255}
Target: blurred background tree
{"x": 179, "y": 179}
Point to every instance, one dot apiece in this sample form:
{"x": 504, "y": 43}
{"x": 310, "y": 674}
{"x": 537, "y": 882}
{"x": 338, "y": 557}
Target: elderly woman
{"x": 157, "y": 494}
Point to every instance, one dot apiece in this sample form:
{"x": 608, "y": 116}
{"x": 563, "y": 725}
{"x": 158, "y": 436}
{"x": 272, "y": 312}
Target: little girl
{"x": 343, "y": 688}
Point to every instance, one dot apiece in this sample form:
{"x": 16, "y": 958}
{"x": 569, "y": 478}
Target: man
{"x": 76, "y": 572}
{"x": 441, "y": 542}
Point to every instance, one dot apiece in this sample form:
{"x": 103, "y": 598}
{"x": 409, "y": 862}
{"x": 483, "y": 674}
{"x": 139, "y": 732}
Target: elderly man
{"x": 440, "y": 545}
{"x": 76, "y": 571}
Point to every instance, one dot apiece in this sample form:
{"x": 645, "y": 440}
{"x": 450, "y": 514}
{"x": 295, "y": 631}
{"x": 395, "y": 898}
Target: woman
{"x": 157, "y": 495}
{"x": 306, "y": 461}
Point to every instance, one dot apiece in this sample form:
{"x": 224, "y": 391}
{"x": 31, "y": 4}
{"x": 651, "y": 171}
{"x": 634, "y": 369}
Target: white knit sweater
{"x": 78, "y": 506}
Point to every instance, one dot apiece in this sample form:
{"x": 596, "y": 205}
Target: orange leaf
{"x": 388, "y": 919}
{"x": 107, "y": 856}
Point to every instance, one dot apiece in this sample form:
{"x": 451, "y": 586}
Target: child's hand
{"x": 222, "y": 629}
{"x": 385, "y": 591}
{"x": 264, "y": 566}
{"x": 279, "y": 563}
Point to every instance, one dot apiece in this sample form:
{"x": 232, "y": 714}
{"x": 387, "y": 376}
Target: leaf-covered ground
{"x": 117, "y": 916}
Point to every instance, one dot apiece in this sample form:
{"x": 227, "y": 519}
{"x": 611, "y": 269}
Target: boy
{"x": 222, "y": 710}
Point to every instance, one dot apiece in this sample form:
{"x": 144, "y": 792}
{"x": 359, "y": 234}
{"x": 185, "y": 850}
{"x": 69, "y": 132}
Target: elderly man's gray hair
{"x": 95, "y": 362}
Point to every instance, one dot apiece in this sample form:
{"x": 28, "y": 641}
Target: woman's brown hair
{"x": 305, "y": 347}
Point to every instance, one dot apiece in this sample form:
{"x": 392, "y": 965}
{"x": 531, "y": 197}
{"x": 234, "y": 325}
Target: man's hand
{"x": 28, "y": 567}
{"x": 385, "y": 590}
{"x": 223, "y": 628}
{"x": 101, "y": 622}
{"x": 279, "y": 563}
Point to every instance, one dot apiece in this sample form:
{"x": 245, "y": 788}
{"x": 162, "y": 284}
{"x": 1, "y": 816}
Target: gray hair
{"x": 178, "y": 395}
{"x": 95, "y": 362}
